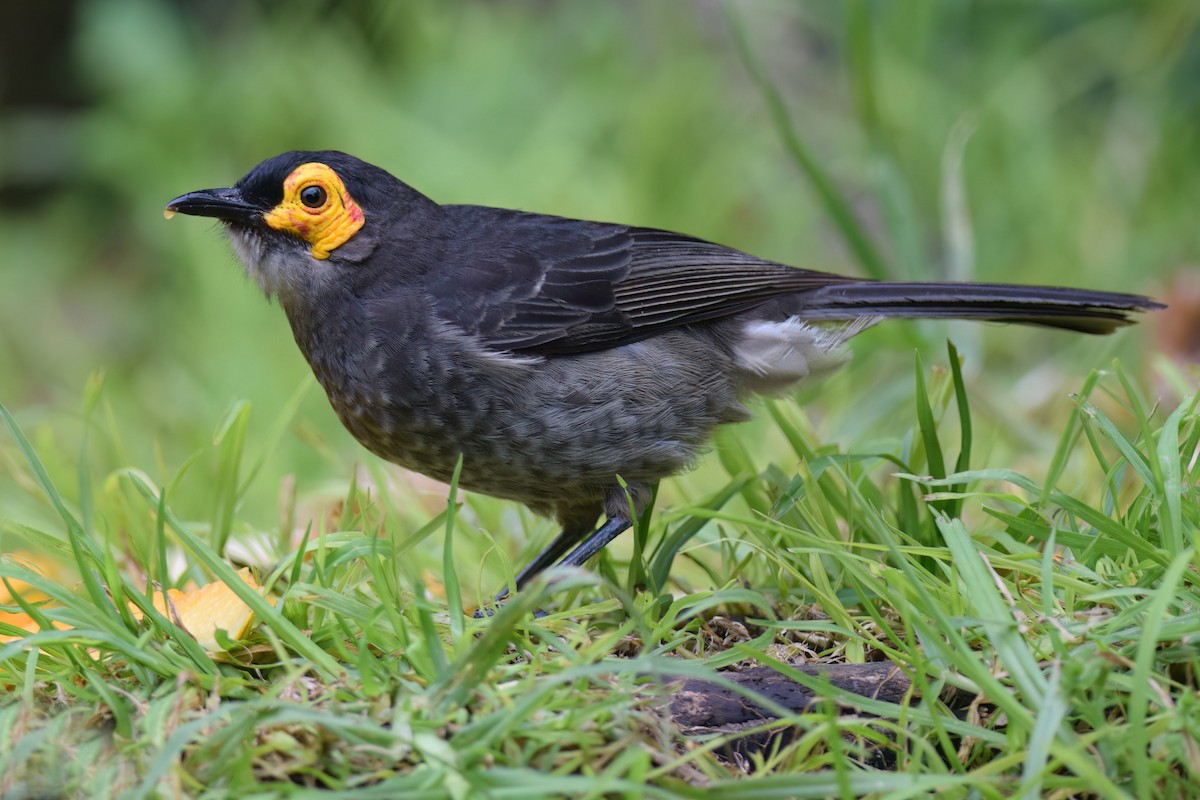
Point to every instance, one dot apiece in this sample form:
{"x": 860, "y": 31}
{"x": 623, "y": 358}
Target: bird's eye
{"x": 312, "y": 196}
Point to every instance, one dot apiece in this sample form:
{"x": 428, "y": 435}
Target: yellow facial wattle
{"x": 317, "y": 207}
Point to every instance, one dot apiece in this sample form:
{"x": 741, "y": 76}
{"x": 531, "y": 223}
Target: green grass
{"x": 1013, "y": 520}
{"x": 1069, "y": 613}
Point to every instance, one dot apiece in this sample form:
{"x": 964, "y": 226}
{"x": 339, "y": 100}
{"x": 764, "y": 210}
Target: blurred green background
{"x": 1026, "y": 142}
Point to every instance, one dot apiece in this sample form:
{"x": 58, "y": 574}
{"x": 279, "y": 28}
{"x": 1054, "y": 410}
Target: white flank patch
{"x": 782, "y": 353}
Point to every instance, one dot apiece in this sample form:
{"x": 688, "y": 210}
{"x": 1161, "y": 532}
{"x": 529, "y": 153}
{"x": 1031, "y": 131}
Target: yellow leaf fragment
{"x": 38, "y": 562}
{"x": 209, "y": 608}
{"x": 19, "y": 619}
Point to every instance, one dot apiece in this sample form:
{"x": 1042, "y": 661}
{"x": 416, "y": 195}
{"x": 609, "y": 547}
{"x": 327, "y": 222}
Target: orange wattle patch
{"x": 327, "y": 226}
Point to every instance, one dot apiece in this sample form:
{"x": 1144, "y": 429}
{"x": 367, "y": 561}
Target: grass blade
{"x": 449, "y": 572}
{"x": 230, "y": 440}
{"x": 835, "y": 205}
{"x": 87, "y": 553}
{"x": 961, "y": 402}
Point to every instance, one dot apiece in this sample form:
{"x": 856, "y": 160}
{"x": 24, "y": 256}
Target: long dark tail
{"x": 1052, "y": 306}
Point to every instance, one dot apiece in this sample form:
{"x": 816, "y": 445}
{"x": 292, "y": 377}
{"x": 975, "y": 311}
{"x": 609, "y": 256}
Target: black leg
{"x": 611, "y": 529}
{"x": 617, "y": 504}
{"x": 545, "y": 559}
{"x": 548, "y": 557}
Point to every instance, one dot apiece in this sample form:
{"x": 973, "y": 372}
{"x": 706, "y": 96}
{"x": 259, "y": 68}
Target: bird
{"x": 569, "y": 364}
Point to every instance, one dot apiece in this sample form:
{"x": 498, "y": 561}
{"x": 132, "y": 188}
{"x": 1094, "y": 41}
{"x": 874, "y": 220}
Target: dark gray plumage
{"x": 556, "y": 354}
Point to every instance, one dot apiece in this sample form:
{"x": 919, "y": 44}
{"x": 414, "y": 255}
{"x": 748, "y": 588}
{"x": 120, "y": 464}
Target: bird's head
{"x": 305, "y": 221}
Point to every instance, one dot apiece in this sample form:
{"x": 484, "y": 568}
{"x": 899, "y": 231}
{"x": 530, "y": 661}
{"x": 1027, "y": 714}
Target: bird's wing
{"x": 553, "y": 286}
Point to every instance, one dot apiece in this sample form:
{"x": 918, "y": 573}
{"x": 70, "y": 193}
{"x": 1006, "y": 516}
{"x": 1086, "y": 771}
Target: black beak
{"x": 227, "y": 204}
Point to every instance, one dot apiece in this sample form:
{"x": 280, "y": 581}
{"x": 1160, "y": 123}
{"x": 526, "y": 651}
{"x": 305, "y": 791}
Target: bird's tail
{"x": 1052, "y": 306}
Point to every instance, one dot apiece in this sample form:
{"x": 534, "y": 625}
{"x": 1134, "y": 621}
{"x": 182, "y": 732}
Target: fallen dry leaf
{"x": 37, "y": 562}
{"x": 19, "y": 619}
{"x": 40, "y": 563}
{"x": 203, "y": 611}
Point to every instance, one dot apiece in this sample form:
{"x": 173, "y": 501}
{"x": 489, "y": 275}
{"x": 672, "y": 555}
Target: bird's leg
{"x": 611, "y": 529}
{"x": 621, "y": 507}
{"x": 550, "y": 555}
{"x": 576, "y": 524}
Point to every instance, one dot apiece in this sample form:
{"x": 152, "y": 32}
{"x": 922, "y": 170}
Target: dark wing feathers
{"x": 706, "y": 283}
{"x": 552, "y": 286}
{"x": 520, "y": 280}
